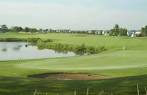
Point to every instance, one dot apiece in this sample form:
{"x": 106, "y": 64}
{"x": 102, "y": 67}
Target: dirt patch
{"x": 68, "y": 76}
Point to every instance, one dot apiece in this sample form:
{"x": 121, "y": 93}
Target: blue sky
{"x": 74, "y": 14}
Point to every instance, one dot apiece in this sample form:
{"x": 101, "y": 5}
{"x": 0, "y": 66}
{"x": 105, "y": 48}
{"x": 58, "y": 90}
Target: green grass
{"x": 114, "y": 63}
{"x": 90, "y": 40}
{"x": 26, "y": 86}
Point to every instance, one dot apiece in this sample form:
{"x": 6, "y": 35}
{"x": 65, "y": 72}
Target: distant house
{"x": 97, "y": 32}
{"x": 106, "y": 32}
{"x": 134, "y": 33}
{"x": 131, "y": 33}
{"x": 63, "y": 31}
{"x": 52, "y": 30}
{"x": 91, "y": 31}
{"x": 59, "y": 30}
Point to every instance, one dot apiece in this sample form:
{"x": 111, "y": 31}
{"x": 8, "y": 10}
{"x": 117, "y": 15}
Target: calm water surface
{"x": 21, "y": 50}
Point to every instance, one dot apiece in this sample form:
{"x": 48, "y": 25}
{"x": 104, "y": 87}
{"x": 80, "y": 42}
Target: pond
{"x": 22, "y": 50}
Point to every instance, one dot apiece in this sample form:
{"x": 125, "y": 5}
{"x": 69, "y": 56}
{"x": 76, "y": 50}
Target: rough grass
{"x": 117, "y": 86}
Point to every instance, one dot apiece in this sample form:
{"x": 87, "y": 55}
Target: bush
{"x": 33, "y": 40}
{"x": 12, "y": 40}
{"x": 91, "y": 50}
{"x": 80, "y": 49}
{"x": 41, "y": 44}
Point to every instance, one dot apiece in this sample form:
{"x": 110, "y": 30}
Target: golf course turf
{"x": 123, "y": 65}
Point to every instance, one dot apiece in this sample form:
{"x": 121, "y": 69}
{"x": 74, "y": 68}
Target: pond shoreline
{"x": 49, "y": 44}
{"x": 25, "y": 51}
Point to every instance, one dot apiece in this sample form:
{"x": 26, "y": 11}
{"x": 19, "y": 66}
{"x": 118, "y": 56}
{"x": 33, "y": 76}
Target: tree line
{"x": 115, "y": 31}
{"x": 4, "y": 28}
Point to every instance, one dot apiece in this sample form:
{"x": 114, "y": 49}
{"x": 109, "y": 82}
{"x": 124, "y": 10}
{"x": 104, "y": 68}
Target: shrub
{"x": 91, "y": 50}
{"x": 33, "y": 40}
{"x": 80, "y": 49}
{"x": 12, "y": 39}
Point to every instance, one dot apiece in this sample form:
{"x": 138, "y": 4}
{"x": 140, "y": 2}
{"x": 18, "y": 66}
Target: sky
{"x": 74, "y": 14}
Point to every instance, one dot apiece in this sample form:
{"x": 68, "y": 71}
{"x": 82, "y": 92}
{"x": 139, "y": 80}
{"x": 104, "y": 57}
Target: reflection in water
{"x": 4, "y": 49}
{"x": 5, "y": 46}
{"x": 17, "y": 48}
{"x": 21, "y": 50}
{"x": 59, "y": 51}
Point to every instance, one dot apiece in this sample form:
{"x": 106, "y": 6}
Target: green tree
{"x": 144, "y": 31}
{"x": 123, "y": 32}
{"x": 16, "y": 29}
{"x": 33, "y": 30}
{"x": 115, "y": 30}
{"x": 118, "y": 31}
{"x": 26, "y": 29}
{"x": 4, "y": 28}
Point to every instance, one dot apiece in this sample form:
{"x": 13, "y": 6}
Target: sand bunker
{"x": 68, "y": 76}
